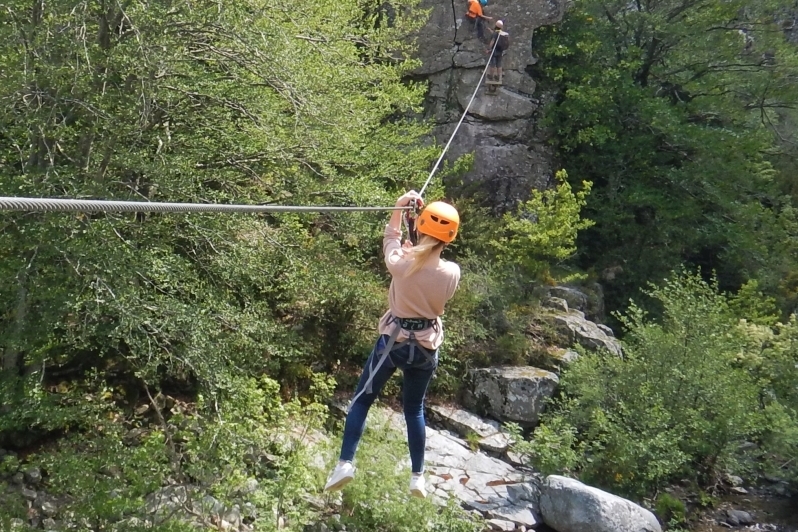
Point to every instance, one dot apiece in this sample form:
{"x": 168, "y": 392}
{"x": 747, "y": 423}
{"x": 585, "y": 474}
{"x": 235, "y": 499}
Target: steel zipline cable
{"x": 87, "y": 205}
{"x": 75, "y": 205}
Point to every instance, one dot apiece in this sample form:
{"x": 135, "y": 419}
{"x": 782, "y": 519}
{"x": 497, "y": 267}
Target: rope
{"x": 446, "y": 148}
{"x": 65, "y": 205}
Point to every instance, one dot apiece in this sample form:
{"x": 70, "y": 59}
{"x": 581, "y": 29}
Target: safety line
{"x": 74, "y": 205}
{"x": 68, "y": 205}
{"x": 446, "y": 148}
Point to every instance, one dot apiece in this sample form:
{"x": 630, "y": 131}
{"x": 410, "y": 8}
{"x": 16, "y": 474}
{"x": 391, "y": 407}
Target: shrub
{"x": 675, "y": 407}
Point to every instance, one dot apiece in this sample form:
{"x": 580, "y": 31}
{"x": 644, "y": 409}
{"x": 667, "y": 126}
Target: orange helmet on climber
{"x": 439, "y": 220}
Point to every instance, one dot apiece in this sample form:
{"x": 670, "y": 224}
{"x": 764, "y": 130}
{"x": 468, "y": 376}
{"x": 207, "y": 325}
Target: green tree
{"x": 674, "y": 110}
{"x": 689, "y": 389}
{"x": 248, "y": 102}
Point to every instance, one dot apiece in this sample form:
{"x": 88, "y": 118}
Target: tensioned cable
{"x": 65, "y": 205}
{"x": 74, "y": 205}
{"x": 473, "y": 96}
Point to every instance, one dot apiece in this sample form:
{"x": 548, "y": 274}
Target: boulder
{"x": 462, "y": 421}
{"x": 497, "y": 443}
{"x": 588, "y": 299}
{"x": 577, "y": 330}
{"x": 568, "y": 505}
{"x": 738, "y": 518}
{"x": 513, "y": 394}
{"x": 576, "y": 299}
{"x": 559, "y": 358}
{"x": 556, "y": 303}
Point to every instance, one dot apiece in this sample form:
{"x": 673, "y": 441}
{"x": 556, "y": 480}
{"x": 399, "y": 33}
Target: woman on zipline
{"x": 410, "y": 332}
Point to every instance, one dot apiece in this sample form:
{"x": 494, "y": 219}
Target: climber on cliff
{"x": 410, "y": 332}
{"x": 476, "y": 17}
{"x": 501, "y": 41}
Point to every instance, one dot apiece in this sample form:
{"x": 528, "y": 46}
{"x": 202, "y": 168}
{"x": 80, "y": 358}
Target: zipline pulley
{"x": 410, "y": 217}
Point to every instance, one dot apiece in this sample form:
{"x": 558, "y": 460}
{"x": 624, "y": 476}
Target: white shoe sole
{"x": 339, "y": 485}
{"x": 418, "y": 493}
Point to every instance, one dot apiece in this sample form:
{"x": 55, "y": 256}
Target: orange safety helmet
{"x": 439, "y": 220}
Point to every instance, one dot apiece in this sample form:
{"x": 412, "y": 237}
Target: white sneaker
{"x": 417, "y": 488}
{"x": 342, "y": 475}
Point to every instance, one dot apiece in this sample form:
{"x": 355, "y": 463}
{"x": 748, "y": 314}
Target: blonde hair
{"x": 421, "y": 252}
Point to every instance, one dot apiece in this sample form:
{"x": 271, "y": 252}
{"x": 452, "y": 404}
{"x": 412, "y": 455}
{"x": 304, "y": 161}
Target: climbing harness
{"x": 457, "y": 127}
{"x": 67, "y": 205}
{"x": 412, "y": 325}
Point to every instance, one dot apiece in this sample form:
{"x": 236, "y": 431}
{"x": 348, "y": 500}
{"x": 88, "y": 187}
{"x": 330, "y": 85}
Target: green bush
{"x": 670, "y": 510}
{"x": 685, "y": 394}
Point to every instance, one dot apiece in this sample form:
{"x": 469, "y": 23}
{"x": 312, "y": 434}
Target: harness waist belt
{"x": 415, "y": 324}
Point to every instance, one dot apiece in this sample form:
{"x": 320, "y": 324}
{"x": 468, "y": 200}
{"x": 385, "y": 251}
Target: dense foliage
{"x": 691, "y": 389}
{"x": 679, "y": 113}
{"x": 209, "y": 102}
{"x": 144, "y": 350}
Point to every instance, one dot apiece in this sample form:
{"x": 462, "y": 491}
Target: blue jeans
{"x": 416, "y": 379}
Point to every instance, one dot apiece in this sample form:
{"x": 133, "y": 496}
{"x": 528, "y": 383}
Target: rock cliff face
{"x": 511, "y": 156}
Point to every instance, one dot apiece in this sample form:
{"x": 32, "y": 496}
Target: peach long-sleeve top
{"x": 422, "y": 294}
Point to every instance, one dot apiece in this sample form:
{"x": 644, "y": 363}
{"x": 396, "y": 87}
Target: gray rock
{"x": 519, "y": 514}
{"x": 578, "y": 330}
{"x": 33, "y": 475}
{"x": 733, "y": 480}
{"x": 249, "y": 511}
{"x": 567, "y": 505}
{"x": 29, "y": 494}
{"x": 462, "y": 421}
{"x": 524, "y": 492}
{"x": 233, "y": 517}
{"x": 576, "y": 298}
{"x": 497, "y": 443}
{"x": 607, "y": 330}
{"x": 498, "y": 524}
{"x": 556, "y": 358}
{"x": 739, "y": 518}
{"x": 17, "y": 524}
{"x": 250, "y": 486}
{"x": 49, "y": 508}
{"x": 209, "y": 505}
{"x": 18, "y": 478}
{"x": 739, "y": 490}
{"x": 556, "y": 303}
{"x": 513, "y": 394}
{"x": 49, "y": 524}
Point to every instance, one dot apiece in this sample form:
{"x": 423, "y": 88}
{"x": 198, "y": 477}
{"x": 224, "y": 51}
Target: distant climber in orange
{"x": 477, "y": 17}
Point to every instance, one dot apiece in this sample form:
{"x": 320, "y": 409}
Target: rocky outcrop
{"x": 588, "y": 299}
{"x": 478, "y": 482}
{"x": 510, "y": 393}
{"x": 488, "y": 434}
{"x": 511, "y": 155}
{"x": 567, "y": 505}
{"x": 573, "y": 328}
